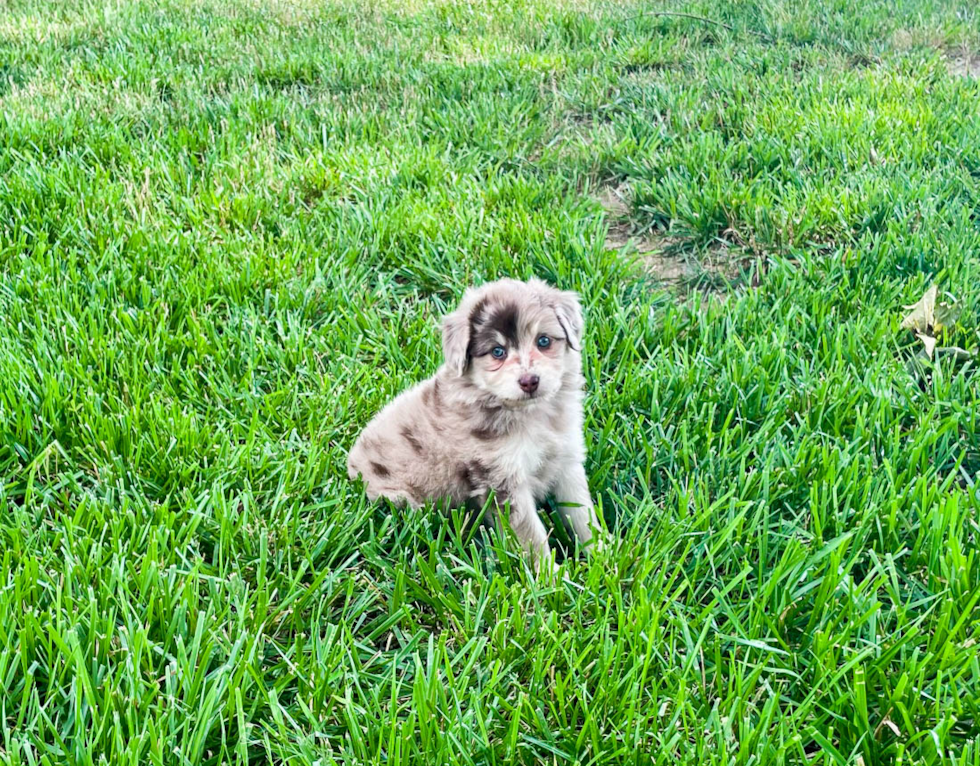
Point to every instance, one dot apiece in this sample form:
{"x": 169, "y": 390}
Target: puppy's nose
{"x": 529, "y": 383}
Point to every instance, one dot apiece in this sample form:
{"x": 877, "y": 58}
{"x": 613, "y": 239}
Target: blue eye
{"x": 498, "y": 352}
{"x": 544, "y": 341}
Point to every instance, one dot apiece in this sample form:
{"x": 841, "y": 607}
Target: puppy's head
{"x": 514, "y": 340}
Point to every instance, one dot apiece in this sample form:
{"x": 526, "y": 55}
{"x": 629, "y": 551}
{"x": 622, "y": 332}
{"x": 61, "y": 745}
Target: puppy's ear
{"x": 569, "y": 313}
{"x": 456, "y": 340}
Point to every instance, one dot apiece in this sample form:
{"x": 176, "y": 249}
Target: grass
{"x": 227, "y": 231}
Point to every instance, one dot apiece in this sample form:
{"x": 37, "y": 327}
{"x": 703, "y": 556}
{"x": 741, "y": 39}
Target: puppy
{"x": 504, "y": 413}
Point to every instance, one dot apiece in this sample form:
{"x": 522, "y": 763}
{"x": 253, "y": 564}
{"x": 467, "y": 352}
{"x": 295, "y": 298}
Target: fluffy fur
{"x": 504, "y": 413}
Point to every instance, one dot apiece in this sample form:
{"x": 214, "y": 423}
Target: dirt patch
{"x": 906, "y": 39}
{"x": 670, "y": 269}
{"x": 902, "y": 39}
{"x": 963, "y": 63}
{"x": 615, "y": 201}
{"x": 618, "y": 236}
{"x": 655, "y": 250}
{"x": 723, "y": 261}
{"x": 717, "y": 271}
{"x": 713, "y": 271}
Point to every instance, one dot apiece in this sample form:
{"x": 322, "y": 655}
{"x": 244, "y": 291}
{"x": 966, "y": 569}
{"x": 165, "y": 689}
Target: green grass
{"x": 227, "y": 231}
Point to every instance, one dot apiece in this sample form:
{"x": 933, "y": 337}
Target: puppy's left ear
{"x": 569, "y": 313}
{"x": 456, "y": 340}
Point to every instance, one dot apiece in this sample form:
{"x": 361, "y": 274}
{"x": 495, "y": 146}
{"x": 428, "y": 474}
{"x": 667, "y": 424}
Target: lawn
{"x": 228, "y": 229}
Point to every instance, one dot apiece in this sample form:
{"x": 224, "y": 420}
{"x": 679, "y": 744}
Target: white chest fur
{"x": 530, "y": 457}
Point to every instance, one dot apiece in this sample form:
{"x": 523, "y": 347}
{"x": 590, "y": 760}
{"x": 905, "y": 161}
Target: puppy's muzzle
{"x": 529, "y": 383}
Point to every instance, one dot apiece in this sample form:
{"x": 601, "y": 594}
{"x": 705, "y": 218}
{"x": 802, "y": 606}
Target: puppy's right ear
{"x": 569, "y": 313}
{"x": 456, "y": 340}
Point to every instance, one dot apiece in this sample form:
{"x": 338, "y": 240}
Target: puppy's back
{"x": 397, "y": 454}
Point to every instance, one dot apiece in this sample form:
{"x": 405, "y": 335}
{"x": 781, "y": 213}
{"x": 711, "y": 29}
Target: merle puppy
{"x": 504, "y": 413}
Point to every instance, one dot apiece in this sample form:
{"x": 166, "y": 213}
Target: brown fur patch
{"x": 372, "y": 445}
{"x": 484, "y": 434}
{"x": 472, "y": 475}
{"x": 480, "y": 473}
{"x": 465, "y": 476}
{"x": 436, "y": 396}
{"x": 501, "y": 496}
{"x": 504, "y": 321}
{"x": 478, "y": 314}
{"x": 408, "y": 436}
{"x": 489, "y": 325}
{"x": 381, "y": 470}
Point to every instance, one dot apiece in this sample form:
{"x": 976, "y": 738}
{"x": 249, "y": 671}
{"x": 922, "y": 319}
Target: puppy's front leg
{"x": 527, "y": 525}
{"x": 575, "y": 505}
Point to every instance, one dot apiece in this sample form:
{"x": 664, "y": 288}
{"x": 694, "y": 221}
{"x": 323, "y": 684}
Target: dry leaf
{"x": 960, "y": 354}
{"x": 927, "y": 319}
{"x": 923, "y": 313}
{"x": 928, "y": 341}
